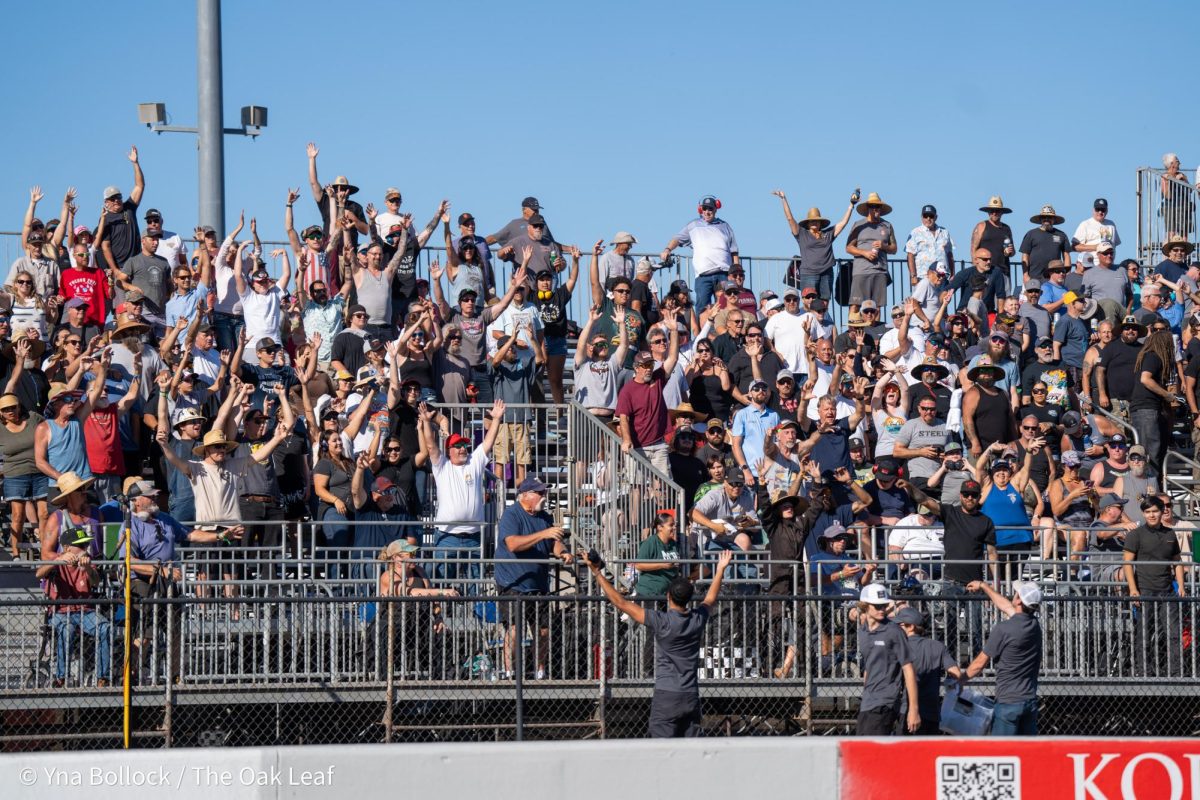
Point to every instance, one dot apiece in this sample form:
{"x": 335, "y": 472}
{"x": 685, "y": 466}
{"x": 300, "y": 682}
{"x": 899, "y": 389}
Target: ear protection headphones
{"x": 545, "y": 295}
{"x": 708, "y": 197}
{"x": 900, "y": 471}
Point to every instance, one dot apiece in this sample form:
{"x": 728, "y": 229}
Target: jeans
{"x": 972, "y": 617}
{"x": 90, "y": 623}
{"x": 453, "y": 545}
{"x": 823, "y": 283}
{"x": 227, "y": 327}
{"x": 1015, "y": 719}
{"x": 1152, "y": 428}
{"x": 706, "y": 288}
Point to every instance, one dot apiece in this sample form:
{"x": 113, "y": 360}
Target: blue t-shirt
{"x": 826, "y": 564}
{"x": 842, "y": 514}
{"x": 1074, "y": 335}
{"x": 1170, "y": 270}
{"x": 155, "y": 539}
{"x": 890, "y": 502}
{"x": 1052, "y": 293}
{"x": 514, "y": 576}
{"x": 832, "y": 449}
{"x": 754, "y": 425}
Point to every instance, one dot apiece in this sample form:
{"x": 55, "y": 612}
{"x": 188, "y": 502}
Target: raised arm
{"x": 636, "y": 611}
{"x": 497, "y": 415}
{"x": 787, "y": 212}
{"x": 714, "y": 589}
{"x": 594, "y": 274}
{"x": 239, "y": 278}
{"x": 313, "y": 182}
{"x": 845, "y": 220}
{"x": 289, "y": 225}
{"x": 162, "y": 437}
{"x": 139, "y": 179}
{"x": 672, "y": 318}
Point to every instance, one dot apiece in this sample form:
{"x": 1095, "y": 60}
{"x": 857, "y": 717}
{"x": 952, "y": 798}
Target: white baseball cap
{"x": 875, "y": 594}
{"x": 1029, "y": 592}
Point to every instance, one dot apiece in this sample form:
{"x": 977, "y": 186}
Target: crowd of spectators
{"x": 990, "y": 412}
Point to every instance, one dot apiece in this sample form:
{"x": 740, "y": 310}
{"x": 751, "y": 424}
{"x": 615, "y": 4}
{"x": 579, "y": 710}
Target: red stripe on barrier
{"x": 1012, "y": 769}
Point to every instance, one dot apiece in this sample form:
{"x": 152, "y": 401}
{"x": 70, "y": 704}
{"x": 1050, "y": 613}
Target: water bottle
{"x": 1007, "y": 245}
{"x": 855, "y": 197}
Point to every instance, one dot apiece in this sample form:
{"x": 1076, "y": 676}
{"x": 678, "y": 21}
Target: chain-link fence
{"x": 294, "y": 655}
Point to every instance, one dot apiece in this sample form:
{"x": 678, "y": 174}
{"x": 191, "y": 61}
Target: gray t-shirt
{"x": 677, "y": 653}
{"x": 1108, "y": 284}
{"x": 1015, "y": 648}
{"x": 951, "y": 486}
{"x": 512, "y": 382}
{"x": 258, "y": 478}
{"x": 613, "y": 265}
{"x": 596, "y": 383}
{"x": 882, "y": 653}
{"x": 928, "y": 297}
{"x": 915, "y": 434}
{"x": 453, "y": 373}
{"x": 375, "y": 295}
{"x": 151, "y": 274}
{"x": 1040, "y": 318}
{"x": 816, "y": 252}
{"x": 512, "y": 230}
{"x": 474, "y": 329}
{"x": 930, "y": 660}
{"x": 863, "y": 234}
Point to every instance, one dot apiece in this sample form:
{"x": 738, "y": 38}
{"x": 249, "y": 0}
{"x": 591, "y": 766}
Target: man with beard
{"x": 987, "y": 416}
{"x": 929, "y": 375}
{"x": 1139, "y": 482}
{"x": 785, "y": 400}
{"x": 716, "y": 443}
{"x": 1052, "y": 374}
{"x": 1044, "y": 244}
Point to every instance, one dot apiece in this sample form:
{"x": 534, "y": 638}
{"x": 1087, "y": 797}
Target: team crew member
{"x": 931, "y": 660}
{"x": 678, "y": 631}
{"x": 1015, "y": 645}
{"x": 887, "y": 668}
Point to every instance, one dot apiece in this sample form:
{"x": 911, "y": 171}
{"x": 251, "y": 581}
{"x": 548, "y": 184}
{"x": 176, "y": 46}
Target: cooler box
{"x": 968, "y": 713}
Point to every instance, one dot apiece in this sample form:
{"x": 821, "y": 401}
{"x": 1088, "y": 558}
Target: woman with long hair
{"x": 28, "y": 310}
{"x": 331, "y": 484}
{"x": 24, "y": 483}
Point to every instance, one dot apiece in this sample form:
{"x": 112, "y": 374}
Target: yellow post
{"x": 128, "y": 631}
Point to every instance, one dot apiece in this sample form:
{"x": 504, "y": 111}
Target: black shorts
{"x": 534, "y": 612}
{"x": 877, "y": 721}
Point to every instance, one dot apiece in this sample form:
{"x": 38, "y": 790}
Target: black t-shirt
{"x": 965, "y": 539}
{"x": 1042, "y": 247}
{"x": 553, "y": 310}
{"x": 404, "y": 423}
{"x": 348, "y": 349}
{"x": 351, "y": 206}
{"x": 639, "y": 292}
{"x": 403, "y": 473}
{"x": 741, "y": 373}
{"x": 845, "y": 343}
{"x": 122, "y": 232}
{"x": 1192, "y": 350}
{"x": 919, "y": 391}
{"x": 1153, "y": 544}
{"x": 1141, "y": 397}
{"x": 289, "y": 458}
{"x": 678, "y": 637}
{"x": 1118, "y": 359}
{"x": 690, "y": 473}
{"x": 1192, "y": 370}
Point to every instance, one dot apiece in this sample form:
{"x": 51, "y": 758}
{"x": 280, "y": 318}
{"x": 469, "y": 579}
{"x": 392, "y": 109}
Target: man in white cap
{"x": 122, "y": 239}
{"x": 714, "y": 249}
{"x": 887, "y": 668}
{"x": 617, "y": 262}
{"x": 1015, "y": 647}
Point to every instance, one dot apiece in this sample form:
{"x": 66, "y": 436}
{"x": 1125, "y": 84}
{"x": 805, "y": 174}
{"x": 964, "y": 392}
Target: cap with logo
{"x": 875, "y": 594}
{"x": 928, "y": 211}
{"x": 531, "y": 202}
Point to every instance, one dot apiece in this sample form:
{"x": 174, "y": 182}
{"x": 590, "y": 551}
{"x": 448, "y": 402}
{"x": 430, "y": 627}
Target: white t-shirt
{"x": 171, "y": 247}
{"x": 217, "y": 489}
{"x": 911, "y": 357}
{"x": 460, "y": 491}
{"x": 526, "y": 315}
{"x": 1092, "y": 232}
{"x": 823, "y": 378}
{"x": 915, "y": 538}
{"x": 261, "y": 312}
{"x": 206, "y": 363}
{"x": 786, "y": 332}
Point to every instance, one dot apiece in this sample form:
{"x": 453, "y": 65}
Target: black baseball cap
{"x": 153, "y": 214}
{"x": 464, "y": 218}
{"x": 536, "y": 219}
{"x": 1100, "y": 204}
{"x": 928, "y": 211}
{"x": 531, "y": 202}
{"x": 971, "y": 487}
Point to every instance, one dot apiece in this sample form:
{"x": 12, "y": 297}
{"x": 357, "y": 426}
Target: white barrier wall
{"x": 641, "y": 769}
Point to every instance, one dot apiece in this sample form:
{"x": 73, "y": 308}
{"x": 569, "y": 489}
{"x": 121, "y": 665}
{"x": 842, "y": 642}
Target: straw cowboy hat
{"x": 342, "y": 180}
{"x": 814, "y": 215}
{"x": 128, "y": 323}
{"x": 686, "y": 410}
{"x": 1175, "y": 240}
{"x": 69, "y": 483}
{"x": 931, "y": 363}
{"x": 995, "y": 203}
{"x": 37, "y": 347}
{"x": 873, "y": 199}
{"x": 856, "y": 320}
{"x": 799, "y": 503}
{"x": 1047, "y": 211}
{"x": 59, "y": 391}
{"x": 213, "y": 439}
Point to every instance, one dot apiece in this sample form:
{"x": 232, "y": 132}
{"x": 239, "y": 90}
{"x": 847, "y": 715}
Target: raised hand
{"x": 35, "y": 194}
{"x": 277, "y": 252}
{"x": 598, "y": 248}
{"x": 497, "y": 409}
{"x": 224, "y": 356}
{"x": 779, "y": 193}
{"x": 860, "y": 387}
{"x": 436, "y": 270}
{"x": 312, "y": 150}
{"x": 573, "y": 251}
{"x": 372, "y": 212}
{"x": 526, "y": 253}
{"x": 163, "y": 379}
{"x": 70, "y": 196}
{"x": 133, "y": 154}
{"x": 293, "y": 196}
{"x": 426, "y": 411}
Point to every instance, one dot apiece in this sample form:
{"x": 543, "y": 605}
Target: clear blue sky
{"x": 616, "y": 115}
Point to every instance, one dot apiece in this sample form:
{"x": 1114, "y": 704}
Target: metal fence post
{"x": 518, "y": 627}
{"x": 390, "y": 693}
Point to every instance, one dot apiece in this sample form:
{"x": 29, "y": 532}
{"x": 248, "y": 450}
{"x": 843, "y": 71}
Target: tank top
{"x": 375, "y": 296}
{"x": 17, "y": 448}
{"x": 1080, "y": 509}
{"x": 66, "y": 451}
{"x": 991, "y": 417}
{"x": 992, "y": 240}
{"x": 1111, "y": 474}
{"x": 419, "y": 370}
{"x": 1006, "y": 508}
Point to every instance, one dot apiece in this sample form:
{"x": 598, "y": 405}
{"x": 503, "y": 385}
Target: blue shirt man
{"x": 527, "y": 537}
{"x": 186, "y": 299}
{"x": 751, "y": 426}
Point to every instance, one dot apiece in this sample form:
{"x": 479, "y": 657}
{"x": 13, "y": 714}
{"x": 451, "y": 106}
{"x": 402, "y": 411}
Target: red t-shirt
{"x": 643, "y": 403}
{"x": 100, "y": 432}
{"x": 90, "y": 285}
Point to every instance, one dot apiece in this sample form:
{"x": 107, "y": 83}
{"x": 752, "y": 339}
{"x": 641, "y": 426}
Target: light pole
{"x": 210, "y": 129}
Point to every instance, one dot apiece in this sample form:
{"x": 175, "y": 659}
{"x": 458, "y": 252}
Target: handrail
{"x": 1113, "y": 418}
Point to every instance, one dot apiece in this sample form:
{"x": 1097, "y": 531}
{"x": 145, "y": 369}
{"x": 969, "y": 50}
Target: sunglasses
{"x": 927, "y": 408}
{"x": 81, "y": 255}
{"x": 1030, "y": 428}
{"x": 23, "y": 283}
{"x": 738, "y": 322}
{"x": 392, "y": 450}
{"x": 620, "y": 291}
{"x": 1036, "y": 390}
{"x": 969, "y": 494}
{"x": 461, "y": 445}
{"x": 657, "y": 341}
{"x": 358, "y": 314}
{"x": 753, "y": 335}
{"x": 73, "y": 342}
{"x": 703, "y": 350}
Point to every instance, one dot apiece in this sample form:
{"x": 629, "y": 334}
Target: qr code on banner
{"x": 961, "y": 778}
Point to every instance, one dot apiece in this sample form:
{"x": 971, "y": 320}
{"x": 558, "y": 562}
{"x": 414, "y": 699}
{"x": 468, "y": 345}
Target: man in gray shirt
{"x": 1015, "y": 647}
{"x": 921, "y": 441}
{"x": 147, "y": 271}
{"x": 472, "y": 325}
{"x": 872, "y": 240}
{"x": 675, "y": 708}
{"x": 1108, "y": 284}
{"x": 887, "y": 669}
{"x": 1032, "y": 310}
{"x": 505, "y": 236}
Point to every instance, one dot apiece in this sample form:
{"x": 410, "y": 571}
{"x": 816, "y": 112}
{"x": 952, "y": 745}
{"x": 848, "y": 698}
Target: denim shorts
{"x": 26, "y": 487}
{"x": 556, "y": 345}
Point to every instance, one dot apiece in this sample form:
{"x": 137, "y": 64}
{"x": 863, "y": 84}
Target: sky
{"x": 618, "y": 115}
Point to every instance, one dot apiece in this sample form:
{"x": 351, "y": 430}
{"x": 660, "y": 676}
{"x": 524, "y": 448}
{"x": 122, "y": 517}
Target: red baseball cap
{"x": 456, "y": 438}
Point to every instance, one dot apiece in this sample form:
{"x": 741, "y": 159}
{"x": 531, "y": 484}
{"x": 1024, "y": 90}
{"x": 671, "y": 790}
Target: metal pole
{"x": 210, "y": 124}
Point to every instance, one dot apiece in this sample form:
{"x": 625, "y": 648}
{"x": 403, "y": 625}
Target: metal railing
{"x": 615, "y": 494}
{"x": 1163, "y": 214}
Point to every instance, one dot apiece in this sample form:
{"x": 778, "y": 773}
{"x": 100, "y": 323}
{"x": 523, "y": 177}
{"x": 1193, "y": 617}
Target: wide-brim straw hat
{"x": 1177, "y": 241}
{"x": 1047, "y": 211}
{"x": 985, "y": 363}
{"x": 213, "y": 439}
{"x": 128, "y": 323}
{"x": 800, "y": 504}
{"x": 873, "y": 199}
{"x": 342, "y": 180}
{"x": 37, "y": 348}
{"x": 686, "y": 410}
{"x": 814, "y": 215}
{"x": 995, "y": 203}
{"x": 69, "y": 483}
